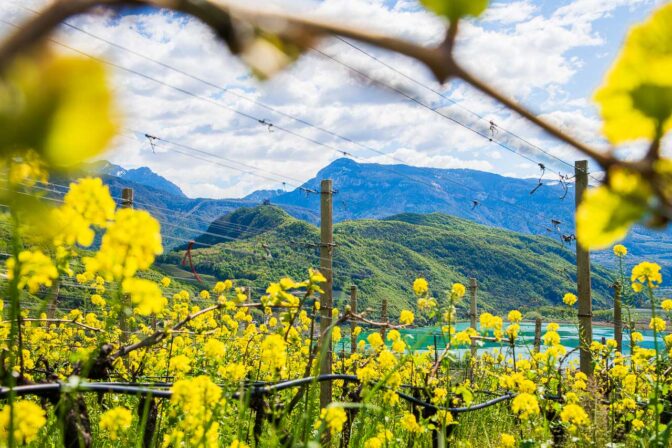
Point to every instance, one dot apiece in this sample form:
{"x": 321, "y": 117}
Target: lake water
{"x": 425, "y": 338}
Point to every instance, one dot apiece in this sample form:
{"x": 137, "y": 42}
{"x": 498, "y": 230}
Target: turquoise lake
{"x": 424, "y": 338}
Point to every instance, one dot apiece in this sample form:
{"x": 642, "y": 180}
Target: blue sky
{"x": 549, "y": 55}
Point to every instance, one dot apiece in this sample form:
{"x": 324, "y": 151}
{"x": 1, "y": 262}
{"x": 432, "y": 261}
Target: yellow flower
{"x": 515, "y": 316}
{"x": 657, "y": 324}
{"x": 569, "y": 299}
{"x": 375, "y": 340}
{"x": 406, "y": 317}
{"x": 145, "y": 295}
{"x": 574, "y": 414}
{"x": 336, "y": 334}
{"x": 197, "y": 399}
{"x": 333, "y": 417}
{"x": 373, "y": 442}
{"x": 462, "y": 338}
{"x": 238, "y": 444}
{"x": 274, "y": 351}
{"x": 30, "y": 170}
{"x": 457, "y": 291}
{"x": 129, "y": 244}
{"x": 181, "y": 364}
{"x": 420, "y": 287}
{"x": 316, "y": 276}
{"x": 620, "y": 250}
{"x": 647, "y": 273}
{"x": 666, "y": 304}
{"x": 512, "y": 331}
{"x": 165, "y": 282}
{"x": 221, "y": 287}
{"x": 91, "y": 199}
{"x": 29, "y": 418}
{"x": 507, "y": 440}
{"x": 116, "y": 420}
{"x": 35, "y": 270}
{"x": 525, "y": 405}
{"x": 637, "y": 424}
{"x": 98, "y": 300}
{"x": 214, "y": 349}
{"x": 410, "y": 424}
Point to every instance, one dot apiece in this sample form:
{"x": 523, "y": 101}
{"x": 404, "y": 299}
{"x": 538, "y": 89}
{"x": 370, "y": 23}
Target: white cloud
{"x": 517, "y": 47}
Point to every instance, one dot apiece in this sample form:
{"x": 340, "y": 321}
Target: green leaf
{"x": 606, "y": 213}
{"x": 456, "y": 9}
{"x": 635, "y": 99}
{"x": 653, "y": 101}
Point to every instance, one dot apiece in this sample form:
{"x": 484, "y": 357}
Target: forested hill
{"x": 382, "y": 257}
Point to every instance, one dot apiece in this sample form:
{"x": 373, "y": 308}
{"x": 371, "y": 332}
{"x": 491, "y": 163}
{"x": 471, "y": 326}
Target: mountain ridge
{"x": 382, "y": 257}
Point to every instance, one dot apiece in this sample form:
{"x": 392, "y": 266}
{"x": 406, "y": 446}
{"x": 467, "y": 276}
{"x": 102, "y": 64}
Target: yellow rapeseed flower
{"x": 29, "y": 418}
{"x": 620, "y": 250}
{"x": 457, "y": 291}
{"x": 35, "y": 270}
{"x": 116, "y": 420}
{"x": 574, "y": 414}
{"x": 657, "y": 324}
{"x": 525, "y": 405}
{"x": 420, "y": 287}
{"x": 410, "y": 424}
{"x": 145, "y": 295}
{"x": 333, "y": 417}
{"x": 515, "y": 316}
{"x": 129, "y": 244}
{"x": 406, "y": 317}
{"x": 647, "y": 273}
{"x": 507, "y": 440}
{"x": 569, "y": 299}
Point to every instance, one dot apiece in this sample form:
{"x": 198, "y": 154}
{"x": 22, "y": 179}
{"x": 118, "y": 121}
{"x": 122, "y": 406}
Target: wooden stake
{"x": 383, "y": 317}
{"x": 583, "y": 278}
{"x": 127, "y": 198}
{"x": 126, "y": 202}
{"x": 473, "y": 314}
{"x": 618, "y": 317}
{"x": 326, "y": 253}
{"x": 353, "y": 324}
{"x": 537, "y": 334}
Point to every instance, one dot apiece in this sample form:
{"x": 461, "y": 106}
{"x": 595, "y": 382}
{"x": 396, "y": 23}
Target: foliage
{"x": 513, "y": 270}
{"x": 213, "y": 346}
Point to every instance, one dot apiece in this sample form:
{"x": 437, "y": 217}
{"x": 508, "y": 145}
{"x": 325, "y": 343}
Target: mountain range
{"x": 374, "y": 191}
{"x": 382, "y": 257}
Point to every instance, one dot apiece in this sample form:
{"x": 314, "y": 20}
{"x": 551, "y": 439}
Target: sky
{"x": 180, "y": 84}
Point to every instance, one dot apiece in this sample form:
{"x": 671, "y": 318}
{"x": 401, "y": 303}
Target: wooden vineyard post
{"x": 326, "y": 254}
{"x": 537, "y": 335}
{"x": 126, "y": 202}
{"x": 353, "y": 324}
{"x": 618, "y": 317}
{"x": 585, "y": 312}
{"x": 383, "y": 318}
{"x": 127, "y": 198}
{"x": 473, "y": 314}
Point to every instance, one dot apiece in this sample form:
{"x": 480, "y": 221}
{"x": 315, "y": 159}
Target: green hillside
{"x": 382, "y": 257}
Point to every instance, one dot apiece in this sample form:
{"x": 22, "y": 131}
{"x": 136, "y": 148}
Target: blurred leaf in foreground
{"x": 60, "y": 106}
{"x": 456, "y": 9}
{"x": 636, "y": 99}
